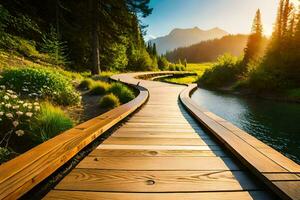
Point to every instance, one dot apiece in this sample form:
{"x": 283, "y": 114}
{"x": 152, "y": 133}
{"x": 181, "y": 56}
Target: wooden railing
{"x": 281, "y": 174}
{"x": 21, "y": 174}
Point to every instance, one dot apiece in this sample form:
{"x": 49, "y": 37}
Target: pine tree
{"x": 253, "y": 49}
{"x": 154, "y": 51}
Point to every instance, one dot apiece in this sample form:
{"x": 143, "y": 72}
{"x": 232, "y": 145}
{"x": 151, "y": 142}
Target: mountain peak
{"x": 180, "y": 37}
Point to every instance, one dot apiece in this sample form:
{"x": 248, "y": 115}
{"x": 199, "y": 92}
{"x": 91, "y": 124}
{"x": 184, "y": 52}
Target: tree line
{"x": 264, "y": 68}
{"x": 84, "y": 34}
{"x": 278, "y": 67}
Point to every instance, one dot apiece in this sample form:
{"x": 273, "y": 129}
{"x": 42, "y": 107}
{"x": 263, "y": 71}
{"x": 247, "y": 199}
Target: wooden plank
{"x": 156, "y": 181}
{"x": 158, "y": 163}
{"x": 289, "y": 188}
{"x": 71, "y": 195}
{"x": 156, "y": 135}
{"x": 158, "y": 147}
{"x": 282, "y": 176}
{"x": 154, "y": 152}
{"x": 158, "y": 130}
{"x": 158, "y": 141}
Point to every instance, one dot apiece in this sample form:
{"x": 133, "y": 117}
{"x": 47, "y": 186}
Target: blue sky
{"x": 234, "y": 16}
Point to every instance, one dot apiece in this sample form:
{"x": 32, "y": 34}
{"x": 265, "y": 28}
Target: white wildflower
{"x": 6, "y": 97}
{"x": 14, "y": 96}
{"x": 9, "y": 115}
{"x": 1, "y": 113}
{"x": 20, "y": 132}
{"x": 36, "y": 103}
{"x": 15, "y": 123}
{"x": 10, "y": 91}
{"x": 8, "y": 105}
{"x": 2, "y": 87}
{"x": 15, "y": 107}
{"x": 29, "y": 114}
{"x": 37, "y": 108}
{"x": 20, "y": 102}
{"x": 19, "y": 113}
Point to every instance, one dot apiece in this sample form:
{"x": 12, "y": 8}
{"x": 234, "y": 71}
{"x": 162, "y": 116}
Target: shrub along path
{"x": 160, "y": 153}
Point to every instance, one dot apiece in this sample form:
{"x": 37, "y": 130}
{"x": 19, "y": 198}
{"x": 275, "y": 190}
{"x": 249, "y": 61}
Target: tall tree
{"x": 254, "y": 45}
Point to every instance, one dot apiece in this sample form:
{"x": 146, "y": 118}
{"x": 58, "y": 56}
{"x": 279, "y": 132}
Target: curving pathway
{"x": 160, "y": 153}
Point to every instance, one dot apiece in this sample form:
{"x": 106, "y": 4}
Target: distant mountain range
{"x": 185, "y": 37}
{"x": 208, "y": 51}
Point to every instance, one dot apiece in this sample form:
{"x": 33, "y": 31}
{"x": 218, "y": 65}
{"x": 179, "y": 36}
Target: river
{"x": 275, "y": 123}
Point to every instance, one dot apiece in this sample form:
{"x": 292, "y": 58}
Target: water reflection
{"x": 275, "y": 123}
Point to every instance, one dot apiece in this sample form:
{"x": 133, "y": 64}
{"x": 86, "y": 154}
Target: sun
{"x": 295, "y": 2}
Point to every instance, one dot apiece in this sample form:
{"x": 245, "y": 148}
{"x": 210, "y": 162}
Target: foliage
{"x": 162, "y": 63}
{"x": 41, "y": 83}
{"x": 54, "y": 47}
{"x": 182, "y": 80}
{"x": 50, "y": 122}
{"x": 99, "y": 88}
{"x": 122, "y": 92}
{"x": 279, "y": 69}
{"x": 86, "y": 84}
{"x": 253, "y": 49}
{"x": 5, "y": 154}
{"x": 77, "y": 38}
{"x": 223, "y": 72}
{"x": 109, "y": 101}
{"x": 15, "y": 118}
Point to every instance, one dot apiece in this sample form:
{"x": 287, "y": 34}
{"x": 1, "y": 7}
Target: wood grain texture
{"x": 156, "y": 181}
{"x": 159, "y": 141}
{"x": 155, "y": 153}
{"x": 158, "y": 163}
{"x": 78, "y": 195}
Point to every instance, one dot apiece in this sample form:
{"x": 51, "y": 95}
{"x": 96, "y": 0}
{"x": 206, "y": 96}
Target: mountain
{"x": 185, "y": 37}
{"x": 208, "y": 51}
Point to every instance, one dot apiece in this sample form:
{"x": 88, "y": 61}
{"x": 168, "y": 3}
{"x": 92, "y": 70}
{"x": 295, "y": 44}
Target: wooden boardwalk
{"x": 160, "y": 153}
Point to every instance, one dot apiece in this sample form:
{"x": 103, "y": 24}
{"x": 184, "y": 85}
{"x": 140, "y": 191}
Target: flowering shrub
{"x": 41, "y": 84}
{"x": 15, "y": 116}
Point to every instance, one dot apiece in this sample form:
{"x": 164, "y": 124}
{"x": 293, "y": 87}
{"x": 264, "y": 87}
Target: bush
{"x": 122, "y": 92}
{"x": 224, "y": 72}
{"x": 109, "y": 101}
{"x": 99, "y": 88}
{"x": 5, "y": 154}
{"x": 162, "y": 63}
{"x": 86, "y": 84}
{"x": 15, "y": 118}
{"x": 50, "y": 122}
{"x": 41, "y": 83}
{"x": 172, "y": 67}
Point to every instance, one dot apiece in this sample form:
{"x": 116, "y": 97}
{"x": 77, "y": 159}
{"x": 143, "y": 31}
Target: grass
{"x": 182, "y": 80}
{"x": 50, "y": 122}
{"x": 294, "y": 93}
{"x": 99, "y": 88}
{"x": 109, "y": 101}
{"x": 198, "y": 68}
{"x": 122, "y": 92}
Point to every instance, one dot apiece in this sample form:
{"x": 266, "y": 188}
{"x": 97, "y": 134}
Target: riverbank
{"x": 289, "y": 96}
{"x": 276, "y": 123}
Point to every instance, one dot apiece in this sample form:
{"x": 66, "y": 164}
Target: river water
{"x": 275, "y": 123}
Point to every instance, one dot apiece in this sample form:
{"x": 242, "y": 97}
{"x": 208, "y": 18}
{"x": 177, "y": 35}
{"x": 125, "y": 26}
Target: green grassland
{"x": 198, "y": 68}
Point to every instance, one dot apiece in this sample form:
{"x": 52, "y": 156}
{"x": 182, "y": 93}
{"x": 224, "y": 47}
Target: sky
{"x": 234, "y": 16}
